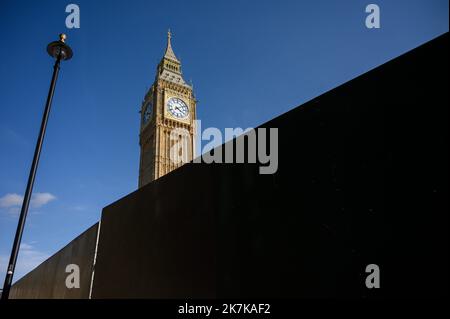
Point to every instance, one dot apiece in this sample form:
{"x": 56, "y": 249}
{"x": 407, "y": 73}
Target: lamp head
{"x": 60, "y": 49}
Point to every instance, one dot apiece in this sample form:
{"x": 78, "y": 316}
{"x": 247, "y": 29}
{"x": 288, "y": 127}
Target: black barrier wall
{"x": 362, "y": 179}
{"x": 48, "y": 280}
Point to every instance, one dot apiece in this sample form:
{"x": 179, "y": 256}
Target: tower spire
{"x": 169, "y": 54}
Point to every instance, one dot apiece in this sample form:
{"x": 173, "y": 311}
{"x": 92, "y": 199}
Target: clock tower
{"x": 167, "y": 130}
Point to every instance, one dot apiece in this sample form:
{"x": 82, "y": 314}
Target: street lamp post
{"x": 59, "y": 50}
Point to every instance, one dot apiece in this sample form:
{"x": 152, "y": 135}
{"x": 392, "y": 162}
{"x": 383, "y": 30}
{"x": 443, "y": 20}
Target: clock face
{"x": 147, "y": 113}
{"x": 177, "y": 108}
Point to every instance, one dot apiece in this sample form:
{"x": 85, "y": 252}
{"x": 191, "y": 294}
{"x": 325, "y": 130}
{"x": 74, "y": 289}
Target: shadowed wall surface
{"x": 48, "y": 280}
{"x": 362, "y": 179}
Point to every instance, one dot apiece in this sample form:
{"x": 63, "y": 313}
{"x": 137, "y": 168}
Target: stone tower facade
{"x": 168, "y": 113}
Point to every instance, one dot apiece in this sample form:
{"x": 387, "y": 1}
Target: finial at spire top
{"x": 62, "y": 37}
{"x": 169, "y": 34}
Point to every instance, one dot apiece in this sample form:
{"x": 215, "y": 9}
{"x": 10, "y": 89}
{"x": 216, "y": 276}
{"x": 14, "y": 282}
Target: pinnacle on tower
{"x": 169, "y": 54}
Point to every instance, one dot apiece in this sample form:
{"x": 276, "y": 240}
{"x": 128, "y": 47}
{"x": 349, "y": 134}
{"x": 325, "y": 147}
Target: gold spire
{"x": 169, "y": 54}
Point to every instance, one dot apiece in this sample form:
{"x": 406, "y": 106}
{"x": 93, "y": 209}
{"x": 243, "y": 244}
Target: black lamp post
{"x": 60, "y": 51}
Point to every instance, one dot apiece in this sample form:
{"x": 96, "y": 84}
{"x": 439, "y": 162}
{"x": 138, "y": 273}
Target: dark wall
{"x": 362, "y": 179}
{"x": 158, "y": 242}
{"x": 47, "y": 281}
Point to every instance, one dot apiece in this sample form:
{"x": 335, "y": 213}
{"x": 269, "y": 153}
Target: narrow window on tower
{"x": 180, "y": 142}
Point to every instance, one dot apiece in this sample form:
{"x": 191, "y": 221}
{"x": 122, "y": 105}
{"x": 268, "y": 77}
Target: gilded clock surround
{"x": 159, "y": 134}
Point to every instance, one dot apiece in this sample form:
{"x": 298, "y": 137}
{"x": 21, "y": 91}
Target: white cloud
{"x": 40, "y": 199}
{"x": 29, "y": 258}
{"x": 13, "y": 201}
{"x": 10, "y": 200}
{"x": 26, "y": 246}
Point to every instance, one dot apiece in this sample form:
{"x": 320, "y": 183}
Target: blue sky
{"x": 249, "y": 61}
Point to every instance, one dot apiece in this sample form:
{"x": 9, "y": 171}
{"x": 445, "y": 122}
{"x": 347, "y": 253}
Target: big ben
{"x": 168, "y": 113}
